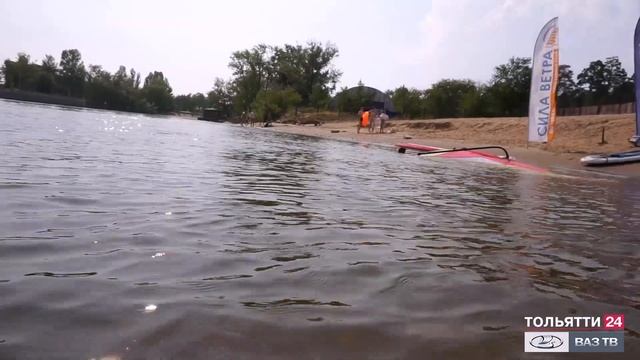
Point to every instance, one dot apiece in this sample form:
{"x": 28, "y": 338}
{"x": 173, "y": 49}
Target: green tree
{"x": 568, "y": 91}
{"x": 99, "y": 90}
{"x": 183, "y": 103}
{"x": 307, "y": 69}
{"x": 190, "y": 102}
{"x": 21, "y": 73}
{"x": 621, "y": 87}
{"x": 615, "y": 73}
{"x": 342, "y": 100}
{"x": 49, "y": 64}
{"x": 604, "y": 82}
{"x": 72, "y": 72}
{"x": 158, "y": 93}
{"x": 221, "y": 97}
{"x": 410, "y": 103}
{"x": 286, "y": 67}
{"x": 116, "y": 91}
{"x": 272, "y": 104}
{"x": 474, "y": 102}
{"x": 594, "y": 83}
{"x": 199, "y": 101}
{"x": 447, "y": 97}
{"x": 319, "y": 71}
{"x": 134, "y": 78}
{"x": 508, "y": 90}
{"x": 251, "y": 74}
{"x": 319, "y": 98}
{"x": 47, "y": 73}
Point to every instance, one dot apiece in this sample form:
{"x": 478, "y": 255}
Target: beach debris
{"x": 602, "y": 140}
{"x": 150, "y": 308}
{"x": 431, "y": 125}
{"x": 309, "y": 122}
{"x": 158, "y": 254}
{"x": 407, "y": 137}
{"x": 335, "y": 131}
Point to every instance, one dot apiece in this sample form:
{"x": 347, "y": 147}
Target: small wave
{"x": 19, "y": 185}
{"x": 291, "y": 302}
{"x": 107, "y": 252}
{"x": 362, "y": 263}
{"x": 259, "y": 202}
{"x": 227, "y": 277}
{"x": 293, "y": 257}
{"x": 71, "y": 200}
{"x": 62, "y": 275}
{"x": 369, "y": 243}
{"x": 495, "y": 328}
{"x": 263, "y": 268}
{"x": 419, "y": 258}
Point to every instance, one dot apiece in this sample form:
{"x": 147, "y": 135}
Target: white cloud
{"x": 467, "y": 38}
{"x": 385, "y": 43}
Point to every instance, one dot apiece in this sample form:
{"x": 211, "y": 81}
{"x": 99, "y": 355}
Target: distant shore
{"x": 37, "y": 97}
{"x": 576, "y": 136}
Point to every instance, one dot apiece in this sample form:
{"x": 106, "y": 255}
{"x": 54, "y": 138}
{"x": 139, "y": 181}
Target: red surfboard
{"x": 473, "y": 155}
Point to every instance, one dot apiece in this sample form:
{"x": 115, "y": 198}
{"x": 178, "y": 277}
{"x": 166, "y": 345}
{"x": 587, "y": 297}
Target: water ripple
{"x": 350, "y": 243}
{"x": 62, "y": 275}
{"x": 292, "y": 302}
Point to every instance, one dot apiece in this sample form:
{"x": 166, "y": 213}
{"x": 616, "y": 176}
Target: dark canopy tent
{"x": 367, "y": 97}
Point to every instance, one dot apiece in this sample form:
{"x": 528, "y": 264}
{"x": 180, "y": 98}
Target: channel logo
{"x": 546, "y": 342}
{"x": 574, "y": 333}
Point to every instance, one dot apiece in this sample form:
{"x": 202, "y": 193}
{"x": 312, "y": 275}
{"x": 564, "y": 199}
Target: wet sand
{"x": 576, "y": 136}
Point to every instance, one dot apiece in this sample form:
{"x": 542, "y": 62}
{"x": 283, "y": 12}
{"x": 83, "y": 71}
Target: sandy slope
{"x": 576, "y": 137}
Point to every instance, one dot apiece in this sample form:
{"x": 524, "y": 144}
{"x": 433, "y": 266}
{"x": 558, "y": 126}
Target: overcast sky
{"x": 384, "y": 43}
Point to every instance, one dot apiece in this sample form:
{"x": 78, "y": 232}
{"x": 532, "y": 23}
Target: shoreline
{"x": 577, "y": 136}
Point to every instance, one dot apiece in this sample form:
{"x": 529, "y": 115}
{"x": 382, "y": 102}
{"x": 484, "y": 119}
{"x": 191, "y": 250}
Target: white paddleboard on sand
{"x": 611, "y": 159}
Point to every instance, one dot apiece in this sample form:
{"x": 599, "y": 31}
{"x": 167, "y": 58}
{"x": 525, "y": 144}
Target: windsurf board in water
{"x": 474, "y": 155}
{"x": 611, "y": 159}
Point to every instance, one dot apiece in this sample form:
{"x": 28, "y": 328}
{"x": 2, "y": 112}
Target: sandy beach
{"x": 576, "y": 136}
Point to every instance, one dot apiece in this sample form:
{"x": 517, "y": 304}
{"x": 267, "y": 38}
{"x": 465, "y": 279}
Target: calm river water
{"x": 128, "y": 236}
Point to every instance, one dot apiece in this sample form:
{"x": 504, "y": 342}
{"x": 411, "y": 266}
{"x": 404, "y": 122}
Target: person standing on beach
{"x": 376, "y": 123}
{"x": 383, "y": 120}
{"x": 364, "y": 120}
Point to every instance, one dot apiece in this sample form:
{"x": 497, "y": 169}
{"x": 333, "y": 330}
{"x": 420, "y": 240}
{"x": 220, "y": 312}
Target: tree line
{"x": 272, "y": 80}
{"x": 121, "y": 90}
{"x": 507, "y": 93}
{"x": 266, "y": 80}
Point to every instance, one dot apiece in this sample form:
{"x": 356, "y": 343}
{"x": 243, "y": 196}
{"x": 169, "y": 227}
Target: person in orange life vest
{"x": 365, "y": 120}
